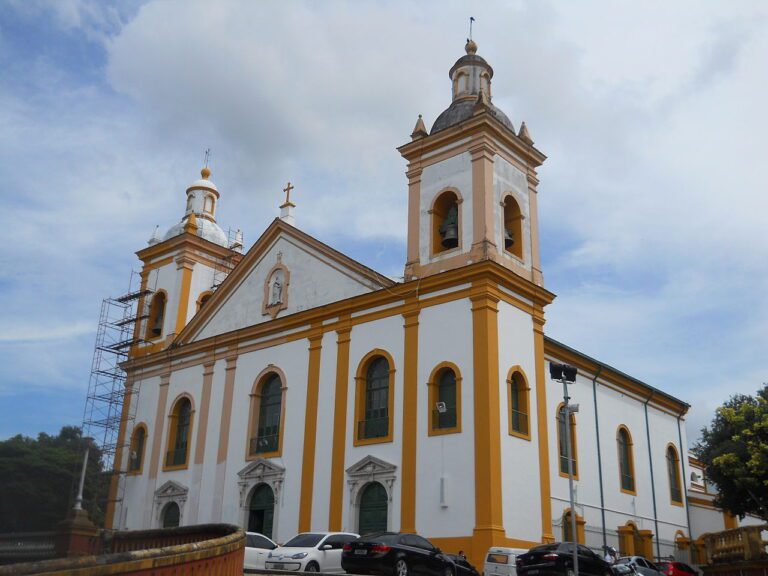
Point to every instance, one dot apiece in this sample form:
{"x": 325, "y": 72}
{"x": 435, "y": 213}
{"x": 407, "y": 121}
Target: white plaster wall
{"x": 387, "y": 334}
{"x": 520, "y": 472}
{"x": 454, "y": 172}
{"x": 314, "y": 281}
{"x": 202, "y": 281}
{"x": 164, "y": 278}
{"x": 134, "y": 505}
{"x": 190, "y": 381}
{"x": 292, "y": 358}
{"x": 507, "y": 178}
{"x": 704, "y": 520}
{"x": 321, "y": 489}
{"x": 445, "y": 333}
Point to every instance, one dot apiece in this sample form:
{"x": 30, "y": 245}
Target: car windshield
{"x": 307, "y": 540}
{"x": 624, "y": 561}
{"x": 545, "y": 548}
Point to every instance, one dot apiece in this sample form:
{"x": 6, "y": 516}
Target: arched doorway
{"x": 261, "y": 510}
{"x": 373, "y": 509}
{"x": 171, "y": 515}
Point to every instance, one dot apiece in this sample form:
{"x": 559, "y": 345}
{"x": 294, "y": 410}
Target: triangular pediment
{"x": 261, "y": 468}
{"x": 286, "y": 271}
{"x": 171, "y": 489}
{"x": 371, "y": 466}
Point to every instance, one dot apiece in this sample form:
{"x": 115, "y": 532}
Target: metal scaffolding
{"x": 104, "y": 415}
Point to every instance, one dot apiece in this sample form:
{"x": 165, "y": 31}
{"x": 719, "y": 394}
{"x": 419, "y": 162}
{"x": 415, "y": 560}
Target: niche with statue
{"x": 276, "y": 289}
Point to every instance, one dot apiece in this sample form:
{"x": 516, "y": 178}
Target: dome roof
{"x": 461, "y": 110}
{"x": 204, "y": 183}
{"x": 205, "y": 229}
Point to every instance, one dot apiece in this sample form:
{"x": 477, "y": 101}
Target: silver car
{"x": 642, "y": 566}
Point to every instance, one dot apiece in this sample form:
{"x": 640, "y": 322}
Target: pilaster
{"x": 410, "y": 416}
{"x": 310, "y": 430}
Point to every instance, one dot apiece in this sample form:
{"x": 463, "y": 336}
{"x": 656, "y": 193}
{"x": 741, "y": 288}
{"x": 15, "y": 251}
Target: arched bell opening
{"x": 446, "y": 226}
{"x": 513, "y": 227}
{"x": 372, "y": 510}
{"x": 171, "y": 515}
{"x": 156, "y": 316}
{"x": 261, "y": 510}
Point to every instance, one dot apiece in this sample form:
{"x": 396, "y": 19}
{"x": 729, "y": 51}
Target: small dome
{"x": 205, "y": 229}
{"x": 461, "y": 110}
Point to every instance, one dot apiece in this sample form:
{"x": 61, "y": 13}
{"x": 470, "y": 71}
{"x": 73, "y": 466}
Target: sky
{"x": 652, "y": 201}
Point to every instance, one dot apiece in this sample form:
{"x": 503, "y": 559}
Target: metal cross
{"x": 207, "y": 156}
{"x": 287, "y": 191}
{"x": 471, "y": 19}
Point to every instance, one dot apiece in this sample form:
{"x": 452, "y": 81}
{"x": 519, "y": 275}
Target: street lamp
{"x": 79, "y": 498}
{"x": 567, "y": 375}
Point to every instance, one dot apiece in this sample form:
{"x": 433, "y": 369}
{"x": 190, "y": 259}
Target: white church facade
{"x": 291, "y": 388}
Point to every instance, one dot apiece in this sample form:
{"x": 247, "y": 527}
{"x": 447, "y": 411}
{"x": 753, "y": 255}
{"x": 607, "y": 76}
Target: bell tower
{"x": 472, "y": 183}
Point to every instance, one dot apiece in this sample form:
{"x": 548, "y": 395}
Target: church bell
{"x": 509, "y": 238}
{"x": 449, "y": 230}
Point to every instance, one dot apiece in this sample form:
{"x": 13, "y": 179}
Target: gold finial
{"x": 205, "y": 173}
{"x": 287, "y": 190}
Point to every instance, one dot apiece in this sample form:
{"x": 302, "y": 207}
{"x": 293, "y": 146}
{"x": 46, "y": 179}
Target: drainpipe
{"x": 684, "y": 487}
{"x": 653, "y": 482}
{"x": 599, "y": 456}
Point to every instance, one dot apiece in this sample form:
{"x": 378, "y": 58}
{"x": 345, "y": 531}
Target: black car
{"x": 395, "y": 554}
{"x": 462, "y": 567}
{"x": 557, "y": 559}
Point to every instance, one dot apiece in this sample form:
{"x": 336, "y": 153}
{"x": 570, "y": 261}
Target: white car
{"x": 310, "y": 552}
{"x": 257, "y": 546}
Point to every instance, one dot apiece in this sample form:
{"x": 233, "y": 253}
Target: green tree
{"x": 734, "y": 449}
{"x": 40, "y": 477}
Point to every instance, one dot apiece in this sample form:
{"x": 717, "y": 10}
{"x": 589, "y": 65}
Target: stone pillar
{"x": 77, "y": 536}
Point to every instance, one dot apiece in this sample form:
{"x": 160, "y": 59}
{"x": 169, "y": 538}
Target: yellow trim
{"x": 677, "y": 474}
{"x": 542, "y": 429}
{"x": 701, "y": 502}
{"x": 255, "y": 408}
{"x": 489, "y": 521}
{"x": 310, "y": 431}
{"x": 205, "y": 402}
{"x": 682, "y": 542}
{"x": 432, "y": 395}
{"x": 729, "y": 521}
{"x": 524, "y": 402}
{"x": 630, "y": 459}
{"x": 360, "y": 389}
{"x": 410, "y": 417}
{"x": 172, "y": 431}
{"x": 574, "y": 443}
{"x": 580, "y": 524}
{"x": 157, "y": 439}
{"x": 336, "y": 500}
{"x": 186, "y": 266}
{"x": 132, "y": 447}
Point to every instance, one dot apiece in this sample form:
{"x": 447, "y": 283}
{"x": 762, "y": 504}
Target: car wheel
{"x": 401, "y": 567}
{"x": 312, "y": 567}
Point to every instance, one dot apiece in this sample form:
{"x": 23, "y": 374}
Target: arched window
{"x": 568, "y": 528}
{"x": 267, "y": 407}
{"x": 519, "y": 424}
{"x": 673, "y": 473}
{"x": 444, "y": 399}
{"x": 136, "y": 451}
{"x": 562, "y": 446}
{"x": 261, "y": 510}
{"x": 460, "y": 83}
{"x": 156, "y": 316}
{"x": 446, "y": 222}
{"x": 626, "y": 460}
{"x": 485, "y": 83}
{"x": 171, "y": 515}
{"x": 513, "y": 227}
{"x": 373, "y": 509}
{"x": 203, "y": 298}
{"x": 374, "y": 399}
{"x": 180, "y": 434}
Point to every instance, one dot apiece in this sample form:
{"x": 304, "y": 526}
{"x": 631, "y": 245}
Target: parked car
{"x": 462, "y": 567}
{"x": 502, "y": 561}
{"x": 257, "y": 546}
{"x": 395, "y": 554}
{"x": 310, "y": 552}
{"x": 671, "y": 568}
{"x": 642, "y": 566}
{"x": 557, "y": 559}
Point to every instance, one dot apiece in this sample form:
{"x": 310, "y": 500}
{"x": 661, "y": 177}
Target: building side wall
{"x": 510, "y": 180}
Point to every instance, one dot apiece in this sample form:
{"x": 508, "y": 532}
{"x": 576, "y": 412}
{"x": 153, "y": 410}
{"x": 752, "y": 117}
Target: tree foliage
{"x": 734, "y": 449}
{"x": 40, "y": 478}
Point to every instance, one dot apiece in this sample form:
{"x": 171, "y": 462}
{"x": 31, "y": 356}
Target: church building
{"x": 290, "y": 388}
